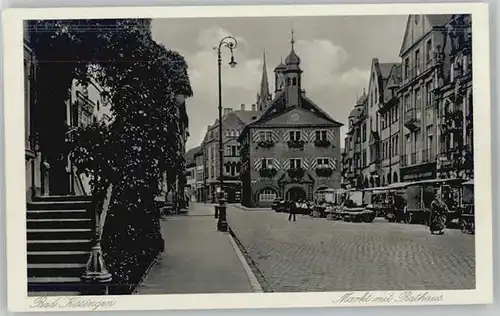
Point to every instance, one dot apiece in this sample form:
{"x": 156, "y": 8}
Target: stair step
{"x": 54, "y": 286}
{"x": 33, "y": 288}
{"x": 55, "y": 269}
{"x": 41, "y": 280}
{"x": 57, "y": 198}
{"x": 58, "y": 205}
{"x": 61, "y": 245}
{"x": 57, "y": 256}
{"x": 53, "y": 214}
{"x": 59, "y": 223}
{"x": 61, "y": 234}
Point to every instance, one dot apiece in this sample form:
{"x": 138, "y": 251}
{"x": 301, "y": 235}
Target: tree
{"x": 142, "y": 79}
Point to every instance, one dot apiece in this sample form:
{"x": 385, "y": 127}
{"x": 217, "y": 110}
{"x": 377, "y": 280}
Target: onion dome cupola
{"x": 279, "y": 77}
{"x": 293, "y": 76}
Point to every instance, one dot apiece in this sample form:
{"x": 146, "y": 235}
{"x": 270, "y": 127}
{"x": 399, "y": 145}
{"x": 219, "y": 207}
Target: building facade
{"x": 191, "y": 181}
{"x": 455, "y": 104}
{"x": 292, "y": 149}
{"x": 424, "y": 128}
{"x": 199, "y": 160}
{"x": 47, "y": 173}
{"x": 233, "y": 122}
{"x": 352, "y": 177}
{"x": 421, "y": 53}
{"x": 378, "y": 132}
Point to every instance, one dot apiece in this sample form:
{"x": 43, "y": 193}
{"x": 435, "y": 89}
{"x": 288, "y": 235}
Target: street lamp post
{"x": 230, "y": 43}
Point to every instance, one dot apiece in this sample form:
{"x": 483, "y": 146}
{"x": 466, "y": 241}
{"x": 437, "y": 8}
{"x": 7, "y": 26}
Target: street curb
{"x": 255, "y": 276}
{"x": 146, "y": 273}
{"x": 254, "y": 283}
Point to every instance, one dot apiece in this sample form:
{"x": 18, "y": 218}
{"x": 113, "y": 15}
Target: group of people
{"x": 438, "y": 210}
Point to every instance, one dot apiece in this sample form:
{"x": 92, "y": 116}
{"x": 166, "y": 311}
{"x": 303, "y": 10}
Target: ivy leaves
{"x": 142, "y": 79}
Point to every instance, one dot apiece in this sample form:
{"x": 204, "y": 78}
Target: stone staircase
{"x": 59, "y": 233}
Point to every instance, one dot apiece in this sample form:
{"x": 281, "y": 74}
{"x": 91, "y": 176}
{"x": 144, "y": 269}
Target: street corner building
{"x": 415, "y": 121}
{"x": 207, "y": 157}
{"x": 293, "y": 148}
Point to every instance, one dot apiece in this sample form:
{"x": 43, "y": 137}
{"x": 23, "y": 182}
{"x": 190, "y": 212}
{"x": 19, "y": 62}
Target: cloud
{"x": 355, "y": 77}
{"x": 324, "y": 65}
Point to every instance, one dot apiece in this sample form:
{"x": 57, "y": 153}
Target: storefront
{"x": 420, "y": 172}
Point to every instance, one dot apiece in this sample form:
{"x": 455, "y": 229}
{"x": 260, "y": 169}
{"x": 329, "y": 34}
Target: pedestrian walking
{"x": 439, "y": 210}
{"x": 292, "y": 210}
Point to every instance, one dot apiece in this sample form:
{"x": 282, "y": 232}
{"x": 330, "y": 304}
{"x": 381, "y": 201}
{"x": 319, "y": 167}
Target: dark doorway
{"x": 296, "y": 194}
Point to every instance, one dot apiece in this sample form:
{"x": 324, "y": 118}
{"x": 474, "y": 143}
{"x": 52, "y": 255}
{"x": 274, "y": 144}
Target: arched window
{"x": 294, "y": 81}
{"x": 395, "y": 177}
{"x": 389, "y": 178}
{"x": 288, "y": 80}
{"x": 268, "y": 195}
{"x": 232, "y": 132}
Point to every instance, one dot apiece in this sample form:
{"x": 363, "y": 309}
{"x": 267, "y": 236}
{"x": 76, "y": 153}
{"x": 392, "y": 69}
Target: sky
{"x": 336, "y": 55}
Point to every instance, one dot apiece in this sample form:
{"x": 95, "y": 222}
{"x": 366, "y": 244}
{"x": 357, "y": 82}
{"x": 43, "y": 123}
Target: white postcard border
{"x": 15, "y": 173}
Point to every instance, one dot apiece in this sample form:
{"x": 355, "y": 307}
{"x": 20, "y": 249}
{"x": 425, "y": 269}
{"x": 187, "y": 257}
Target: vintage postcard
{"x": 248, "y": 157}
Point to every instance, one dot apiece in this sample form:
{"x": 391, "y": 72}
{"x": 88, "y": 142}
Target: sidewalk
{"x": 197, "y": 258}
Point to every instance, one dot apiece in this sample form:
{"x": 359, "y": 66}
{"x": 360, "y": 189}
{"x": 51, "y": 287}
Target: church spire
{"x": 264, "y": 83}
{"x": 264, "y": 94}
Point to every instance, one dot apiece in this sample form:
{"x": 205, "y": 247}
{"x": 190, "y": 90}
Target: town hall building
{"x": 293, "y": 148}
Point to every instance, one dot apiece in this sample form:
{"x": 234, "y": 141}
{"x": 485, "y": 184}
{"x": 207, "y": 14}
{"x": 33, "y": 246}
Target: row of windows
{"x": 389, "y": 117}
{"x": 295, "y": 163}
{"x": 232, "y": 169}
{"x": 228, "y": 133}
{"x": 416, "y": 59}
{"x": 267, "y": 195}
{"x": 390, "y": 147}
{"x": 320, "y": 135}
{"x": 232, "y": 151}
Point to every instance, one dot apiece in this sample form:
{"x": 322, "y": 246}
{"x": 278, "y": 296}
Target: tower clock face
{"x": 294, "y": 117}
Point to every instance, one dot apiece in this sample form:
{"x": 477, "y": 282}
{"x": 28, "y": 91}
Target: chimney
{"x": 243, "y": 107}
{"x": 254, "y": 107}
{"x": 227, "y": 111}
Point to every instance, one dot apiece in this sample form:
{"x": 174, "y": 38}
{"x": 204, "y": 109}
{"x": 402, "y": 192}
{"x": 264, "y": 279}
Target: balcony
{"x": 268, "y": 172}
{"x": 265, "y": 144}
{"x": 412, "y": 119}
{"x": 323, "y": 143}
{"x": 296, "y": 173}
{"x": 296, "y": 144}
{"x": 324, "y": 172}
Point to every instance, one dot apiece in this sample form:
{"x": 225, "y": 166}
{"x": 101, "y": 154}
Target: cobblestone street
{"x": 320, "y": 255}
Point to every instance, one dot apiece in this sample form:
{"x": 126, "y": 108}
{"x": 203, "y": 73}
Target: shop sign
{"x": 420, "y": 172}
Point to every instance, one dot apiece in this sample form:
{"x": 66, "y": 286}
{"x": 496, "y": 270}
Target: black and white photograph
{"x": 253, "y": 154}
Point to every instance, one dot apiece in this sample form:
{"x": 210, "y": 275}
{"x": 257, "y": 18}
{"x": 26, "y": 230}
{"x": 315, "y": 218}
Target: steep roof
{"x": 385, "y": 69}
{"x": 435, "y": 21}
{"x": 247, "y": 117}
{"x": 278, "y": 107}
{"x": 393, "y": 81}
